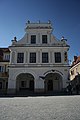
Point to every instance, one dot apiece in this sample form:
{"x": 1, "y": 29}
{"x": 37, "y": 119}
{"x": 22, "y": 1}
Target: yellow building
{"x": 75, "y": 72}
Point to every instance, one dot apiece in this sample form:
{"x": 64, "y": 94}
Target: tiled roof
{"x": 4, "y": 50}
{"x": 77, "y": 60}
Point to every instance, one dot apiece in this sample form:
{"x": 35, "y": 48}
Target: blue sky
{"x": 64, "y": 15}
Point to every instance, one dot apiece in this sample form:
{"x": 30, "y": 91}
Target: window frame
{"x": 1, "y": 68}
{"x": 57, "y": 57}
{"x": 20, "y": 57}
{"x": 44, "y": 39}
{"x": 45, "y": 57}
{"x": 33, "y": 39}
{"x": 32, "y": 58}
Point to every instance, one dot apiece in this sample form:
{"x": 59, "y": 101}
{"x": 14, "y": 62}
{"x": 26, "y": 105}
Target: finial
{"x": 15, "y": 38}
{"x": 49, "y": 21}
{"x": 62, "y": 37}
{"x": 28, "y": 21}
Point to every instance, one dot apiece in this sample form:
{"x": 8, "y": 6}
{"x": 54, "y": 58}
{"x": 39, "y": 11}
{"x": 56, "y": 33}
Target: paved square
{"x": 40, "y": 108}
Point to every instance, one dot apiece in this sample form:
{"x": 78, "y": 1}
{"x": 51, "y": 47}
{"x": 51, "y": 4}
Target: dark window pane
{"x": 20, "y": 57}
{"x": 33, "y": 39}
{"x": 32, "y": 57}
{"x": 0, "y": 85}
{"x": 0, "y": 68}
{"x": 44, "y": 39}
{"x": 44, "y": 57}
{"x": 57, "y": 57}
{"x": 23, "y": 84}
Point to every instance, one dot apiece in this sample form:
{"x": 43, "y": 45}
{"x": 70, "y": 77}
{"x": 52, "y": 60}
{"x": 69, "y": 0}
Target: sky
{"x": 64, "y": 15}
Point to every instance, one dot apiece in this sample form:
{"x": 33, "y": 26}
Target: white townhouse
{"x": 38, "y": 61}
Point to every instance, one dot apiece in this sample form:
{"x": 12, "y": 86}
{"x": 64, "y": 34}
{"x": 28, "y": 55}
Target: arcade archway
{"x": 53, "y": 82}
{"x": 25, "y": 81}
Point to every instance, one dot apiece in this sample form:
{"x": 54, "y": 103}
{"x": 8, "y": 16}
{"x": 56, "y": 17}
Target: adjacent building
{"x": 38, "y": 61}
{"x": 4, "y": 62}
{"x": 75, "y": 71}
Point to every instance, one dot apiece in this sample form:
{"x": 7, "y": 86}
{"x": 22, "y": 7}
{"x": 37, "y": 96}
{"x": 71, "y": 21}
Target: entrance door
{"x": 23, "y": 85}
{"x": 31, "y": 85}
{"x": 50, "y": 85}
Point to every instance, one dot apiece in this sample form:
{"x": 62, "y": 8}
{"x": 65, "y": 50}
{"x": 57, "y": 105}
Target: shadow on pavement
{"x": 34, "y": 94}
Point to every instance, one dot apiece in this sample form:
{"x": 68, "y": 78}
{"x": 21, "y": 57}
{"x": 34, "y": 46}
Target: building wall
{"x": 38, "y": 69}
{"x": 74, "y": 71}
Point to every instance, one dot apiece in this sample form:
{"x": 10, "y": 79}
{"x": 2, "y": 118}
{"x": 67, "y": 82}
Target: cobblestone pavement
{"x": 40, "y": 108}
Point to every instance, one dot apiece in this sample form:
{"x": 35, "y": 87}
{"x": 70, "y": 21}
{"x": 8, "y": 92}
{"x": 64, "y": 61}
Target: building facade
{"x": 38, "y": 61}
{"x": 75, "y": 72}
{"x": 4, "y": 62}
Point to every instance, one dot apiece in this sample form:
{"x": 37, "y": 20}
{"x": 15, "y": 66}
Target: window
{"x": 23, "y": 84}
{"x": 33, "y": 39}
{"x": 72, "y": 72}
{"x": 44, "y": 39}
{"x": 44, "y": 57}
{"x": 20, "y": 57}
{"x": 0, "y": 85}
{"x": 1, "y": 68}
{"x": 6, "y": 57}
{"x": 32, "y": 57}
{"x": 57, "y": 57}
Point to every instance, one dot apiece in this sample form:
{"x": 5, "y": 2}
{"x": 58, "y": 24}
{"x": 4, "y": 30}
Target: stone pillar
{"x": 12, "y": 57}
{"x": 50, "y": 56}
{"x": 49, "y": 38}
{"x": 28, "y": 55}
{"x": 38, "y": 56}
{"x": 53, "y": 58}
{"x": 39, "y": 85}
{"x": 15, "y": 61}
{"x": 25, "y": 57}
{"x": 11, "y": 86}
{"x": 38, "y": 38}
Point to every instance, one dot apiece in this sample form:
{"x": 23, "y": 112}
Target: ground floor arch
{"x": 25, "y": 81}
{"x": 53, "y": 82}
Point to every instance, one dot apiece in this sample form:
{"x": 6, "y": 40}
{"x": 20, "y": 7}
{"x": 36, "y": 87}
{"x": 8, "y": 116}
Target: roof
{"x": 76, "y": 60}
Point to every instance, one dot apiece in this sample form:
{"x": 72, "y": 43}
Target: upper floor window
{"x": 57, "y": 57}
{"x": 7, "y": 57}
{"x": 32, "y": 57}
{"x": 72, "y": 72}
{"x": 45, "y": 57}
{"x": 20, "y": 57}
{"x": 33, "y": 39}
{"x": 1, "y": 68}
{"x": 44, "y": 39}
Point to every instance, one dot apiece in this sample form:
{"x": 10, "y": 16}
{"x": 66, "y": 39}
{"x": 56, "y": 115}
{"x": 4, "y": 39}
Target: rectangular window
{"x": 7, "y": 57}
{"x": 20, "y": 57}
{"x": 0, "y": 85}
{"x": 32, "y": 57}
{"x": 44, "y": 39}
{"x": 57, "y": 57}
{"x": 33, "y": 39}
{"x": 23, "y": 84}
{"x": 44, "y": 57}
{"x": 1, "y": 68}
